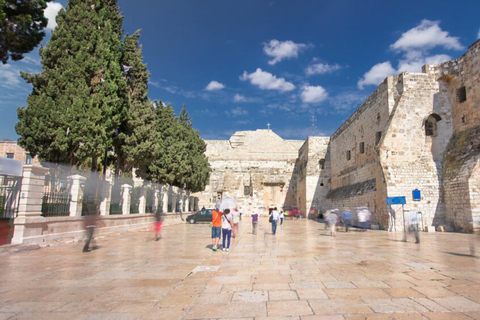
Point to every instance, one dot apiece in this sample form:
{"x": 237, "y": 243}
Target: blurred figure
{"x": 254, "y": 222}
{"x": 412, "y": 226}
{"x": 159, "y": 217}
{"x": 363, "y": 215}
{"x": 275, "y": 217}
{"x": 241, "y": 212}
{"x": 347, "y": 218}
{"x": 235, "y": 221}
{"x": 89, "y": 223}
{"x": 332, "y": 219}
{"x": 282, "y": 217}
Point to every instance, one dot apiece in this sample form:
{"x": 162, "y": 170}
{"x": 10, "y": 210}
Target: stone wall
{"x": 253, "y": 167}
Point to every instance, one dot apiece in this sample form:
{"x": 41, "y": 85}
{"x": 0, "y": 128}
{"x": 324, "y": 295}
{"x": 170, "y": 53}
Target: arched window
{"x": 431, "y": 125}
{"x": 321, "y": 164}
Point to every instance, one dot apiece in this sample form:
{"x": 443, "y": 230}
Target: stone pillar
{"x": 164, "y": 199}
{"x": 187, "y": 203}
{"x": 76, "y": 194}
{"x": 156, "y": 199}
{"x": 126, "y": 198}
{"x": 142, "y": 202}
{"x": 106, "y": 198}
{"x": 30, "y": 205}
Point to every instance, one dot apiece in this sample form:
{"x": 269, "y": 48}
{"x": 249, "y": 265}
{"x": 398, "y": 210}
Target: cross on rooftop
{"x": 268, "y": 125}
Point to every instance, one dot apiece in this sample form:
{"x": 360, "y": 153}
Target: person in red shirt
{"x": 216, "y": 228}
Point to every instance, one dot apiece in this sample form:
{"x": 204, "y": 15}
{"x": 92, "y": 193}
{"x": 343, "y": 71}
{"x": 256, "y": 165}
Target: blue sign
{"x": 416, "y": 195}
{"x": 396, "y": 200}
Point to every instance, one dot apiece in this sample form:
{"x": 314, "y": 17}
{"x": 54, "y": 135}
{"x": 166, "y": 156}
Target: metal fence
{"x": 9, "y": 196}
{"x": 56, "y": 197}
{"x": 56, "y": 204}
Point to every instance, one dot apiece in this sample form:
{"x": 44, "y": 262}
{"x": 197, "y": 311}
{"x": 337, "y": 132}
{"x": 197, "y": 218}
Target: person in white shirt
{"x": 275, "y": 217}
{"x": 282, "y": 216}
{"x": 226, "y": 229}
{"x": 236, "y": 220}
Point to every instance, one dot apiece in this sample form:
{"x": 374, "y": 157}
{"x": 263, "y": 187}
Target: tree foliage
{"x": 133, "y": 142}
{"x": 178, "y": 157}
{"x": 77, "y": 102}
{"x": 92, "y": 97}
{"x": 21, "y": 27}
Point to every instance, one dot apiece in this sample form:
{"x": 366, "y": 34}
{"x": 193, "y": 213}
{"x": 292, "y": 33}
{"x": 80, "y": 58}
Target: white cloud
{"x": 376, "y": 74}
{"x": 9, "y": 76}
{"x": 415, "y": 65}
{"x": 214, "y": 85}
{"x": 321, "y": 68}
{"x": 347, "y": 101}
{"x": 313, "y": 94}
{"x": 267, "y": 81}
{"x": 282, "y": 50}
{"x": 426, "y": 35}
{"x": 51, "y": 14}
{"x": 237, "y": 111}
{"x": 239, "y": 98}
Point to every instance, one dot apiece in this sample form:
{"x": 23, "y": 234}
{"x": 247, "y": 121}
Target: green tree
{"x": 194, "y": 172}
{"x": 78, "y": 101}
{"x": 21, "y": 27}
{"x": 134, "y": 142}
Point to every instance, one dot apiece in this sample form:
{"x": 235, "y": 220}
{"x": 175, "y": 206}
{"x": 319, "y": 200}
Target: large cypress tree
{"x": 134, "y": 143}
{"x": 78, "y": 101}
{"x": 21, "y": 27}
{"x": 195, "y": 169}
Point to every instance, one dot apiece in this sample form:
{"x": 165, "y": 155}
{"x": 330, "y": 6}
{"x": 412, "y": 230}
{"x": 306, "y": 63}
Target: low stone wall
{"x": 38, "y": 230}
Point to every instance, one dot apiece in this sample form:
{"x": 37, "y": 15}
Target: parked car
{"x": 204, "y": 215}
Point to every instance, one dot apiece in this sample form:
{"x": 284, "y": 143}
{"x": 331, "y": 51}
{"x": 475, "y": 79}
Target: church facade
{"x": 416, "y": 136}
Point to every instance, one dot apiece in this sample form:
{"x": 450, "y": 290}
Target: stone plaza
{"x": 300, "y": 273}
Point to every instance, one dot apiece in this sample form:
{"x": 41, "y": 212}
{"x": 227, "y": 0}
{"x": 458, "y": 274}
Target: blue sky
{"x": 238, "y": 65}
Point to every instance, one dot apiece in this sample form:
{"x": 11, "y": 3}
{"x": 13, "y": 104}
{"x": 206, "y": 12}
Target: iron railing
{"x": 56, "y": 204}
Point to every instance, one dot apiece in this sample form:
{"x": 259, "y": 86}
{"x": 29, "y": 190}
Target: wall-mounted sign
{"x": 416, "y": 195}
{"x": 396, "y": 200}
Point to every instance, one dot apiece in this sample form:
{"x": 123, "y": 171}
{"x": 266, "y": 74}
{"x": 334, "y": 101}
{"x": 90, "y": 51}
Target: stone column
{"x": 142, "y": 202}
{"x": 30, "y": 205}
{"x": 187, "y": 203}
{"x": 164, "y": 199}
{"x": 156, "y": 199}
{"x": 76, "y": 194}
{"x": 126, "y": 198}
{"x": 106, "y": 198}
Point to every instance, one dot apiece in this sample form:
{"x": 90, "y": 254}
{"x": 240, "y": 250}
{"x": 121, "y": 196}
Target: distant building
{"x": 11, "y": 150}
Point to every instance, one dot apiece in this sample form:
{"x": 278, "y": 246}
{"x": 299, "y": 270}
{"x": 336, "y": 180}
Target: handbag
{"x": 271, "y": 218}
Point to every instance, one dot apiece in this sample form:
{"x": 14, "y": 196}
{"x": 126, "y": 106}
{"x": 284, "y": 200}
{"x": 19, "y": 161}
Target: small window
{"x": 246, "y": 190}
{"x": 28, "y": 159}
{"x": 10, "y": 155}
{"x": 461, "y": 94}
{"x": 378, "y": 137}
{"x": 464, "y": 119}
{"x": 321, "y": 164}
{"x": 362, "y": 147}
{"x": 378, "y": 118}
{"x": 349, "y": 155}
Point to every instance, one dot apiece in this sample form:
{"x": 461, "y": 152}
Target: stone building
{"x": 254, "y": 167}
{"x": 416, "y": 132}
{"x": 11, "y": 150}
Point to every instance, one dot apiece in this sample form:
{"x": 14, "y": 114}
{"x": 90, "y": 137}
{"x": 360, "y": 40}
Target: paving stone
{"x": 353, "y": 276}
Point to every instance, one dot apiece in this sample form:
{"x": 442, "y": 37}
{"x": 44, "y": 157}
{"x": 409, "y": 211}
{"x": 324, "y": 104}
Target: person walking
{"x": 216, "y": 228}
{"x": 235, "y": 220}
{"x": 275, "y": 217}
{"x": 282, "y": 217}
{"x": 332, "y": 222}
{"x": 254, "y": 222}
{"x": 226, "y": 229}
{"x": 159, "y": 217}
